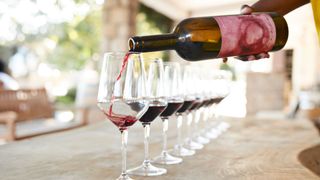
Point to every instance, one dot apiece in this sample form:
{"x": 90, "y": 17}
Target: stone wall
{"x": 265, "y": 92}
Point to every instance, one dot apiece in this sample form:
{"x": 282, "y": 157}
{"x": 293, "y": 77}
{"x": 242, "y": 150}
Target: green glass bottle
{"x": 218, "y": 37}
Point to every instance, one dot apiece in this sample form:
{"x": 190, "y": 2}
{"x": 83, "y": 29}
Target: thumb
{"x": 245, "y": 9}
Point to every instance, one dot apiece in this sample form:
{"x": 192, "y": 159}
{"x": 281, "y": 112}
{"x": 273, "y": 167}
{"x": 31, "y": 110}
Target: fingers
{"x": 242, "y": 58}
{"x": 262, "y": 56}
{"x": 225, "y": 60}
{"x": 253, "y": 57}
{"x": 245, "y": 9}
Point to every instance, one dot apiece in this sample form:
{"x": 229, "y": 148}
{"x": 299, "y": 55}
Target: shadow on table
{"x": 310, "y": 158}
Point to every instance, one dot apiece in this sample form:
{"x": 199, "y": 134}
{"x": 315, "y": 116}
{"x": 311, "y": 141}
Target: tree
{"x": 72, "y": 29}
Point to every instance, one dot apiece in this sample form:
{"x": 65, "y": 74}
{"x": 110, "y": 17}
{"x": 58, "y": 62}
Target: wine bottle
{"x": 219, "y": 36}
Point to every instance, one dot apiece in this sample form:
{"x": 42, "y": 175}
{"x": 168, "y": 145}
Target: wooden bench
{"x": 23, "y": 105}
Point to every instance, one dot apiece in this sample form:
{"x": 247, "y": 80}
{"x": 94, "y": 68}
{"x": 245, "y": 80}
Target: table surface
{"x": 250, "y": 149}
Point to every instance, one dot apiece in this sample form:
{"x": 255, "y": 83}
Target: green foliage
{"x": 72, "y": 27}
{"x": 151, "y": 22}
{"x": 155, "y": 19}
{"x": 76, "y": 42}
{"x": 68, "y": 99}
{"x": 227, "y": 67}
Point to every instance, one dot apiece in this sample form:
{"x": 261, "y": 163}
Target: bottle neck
{"x": 153, "y": 43}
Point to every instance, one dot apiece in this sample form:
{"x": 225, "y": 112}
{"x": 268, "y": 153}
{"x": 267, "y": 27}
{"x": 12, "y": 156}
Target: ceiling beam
{"x": 171, "y": 10}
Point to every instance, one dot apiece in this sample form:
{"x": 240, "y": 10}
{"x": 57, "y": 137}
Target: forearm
{"x": 282, "y": 7}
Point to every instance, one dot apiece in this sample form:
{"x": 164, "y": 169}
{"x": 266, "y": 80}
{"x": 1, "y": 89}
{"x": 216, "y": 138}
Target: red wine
{"x": 202, "y": 38}
{"x": 204, "y": 102}
{"x": 186, "y": 105}
{"x": 120, "y": 108}
{"x": 207, "y": 102}
{"x": 196, "y": 104}
{"x": 211, "y": 101}
{"x": 171, "y": 109}
{"x": 123, "y": 66}
{"x": 217, "y": 100}
{"x": 152, "y": 113}
{"x": 121, "y": 121}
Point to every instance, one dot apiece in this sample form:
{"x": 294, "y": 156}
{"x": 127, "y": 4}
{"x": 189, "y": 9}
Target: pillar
{"x": 119, "y": 19}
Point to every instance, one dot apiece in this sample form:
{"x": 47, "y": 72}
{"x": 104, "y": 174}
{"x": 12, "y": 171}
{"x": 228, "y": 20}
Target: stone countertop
{"x": 250, "y": 149}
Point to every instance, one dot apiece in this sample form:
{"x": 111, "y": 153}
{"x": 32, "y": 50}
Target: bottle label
{"x": 246, "y": 34}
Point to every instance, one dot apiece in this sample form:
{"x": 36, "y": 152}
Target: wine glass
{"x": 157, "y": 104}
{"x": 121, "y": 92}
{"x": 179, "y": 149}
{"x": 224, "y": 80}
{"x": 209, "y": 83}
{"x": 197, "y": 100}
{"x": 175, "y": 101}
{"x": 199, "y": 108}
{"x": 220, "y": 89}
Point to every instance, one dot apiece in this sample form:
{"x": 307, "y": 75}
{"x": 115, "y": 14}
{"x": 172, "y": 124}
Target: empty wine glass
{"x": 157, "y": 104}
{"x": 121, "y": 92}
{"x": 175, "y": 101}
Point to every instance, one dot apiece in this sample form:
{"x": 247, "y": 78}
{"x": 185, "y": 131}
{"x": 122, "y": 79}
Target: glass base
{"x": 213, "y": 134}
{"x": 216, "y": 130}
{"x": 166, "y": 158}
{"x": 223, "y": 126}
{"x": 181, "y": 151}
{"x": 147, "y": 169}
{"x": 124, "y": 177}
{"x": 201, "y": 140}
{"x": 190, "y": 144}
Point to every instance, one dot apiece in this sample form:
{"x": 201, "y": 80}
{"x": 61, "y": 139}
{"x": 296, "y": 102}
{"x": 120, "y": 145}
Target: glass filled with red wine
{"x": 223, "y": 82}
{"x": 172, "y": 83}
{"x": 188, "y": 100}
{"x": 121, "y": 94}
{"x": 220, "y": 89}
{"x": 193, "y": 91}
{"x": 207, "y": 111}
{"x": 157, "y": 104}
{"x": 198, "y": 108}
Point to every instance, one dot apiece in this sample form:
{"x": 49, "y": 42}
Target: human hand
{"x": 245, "y": 10}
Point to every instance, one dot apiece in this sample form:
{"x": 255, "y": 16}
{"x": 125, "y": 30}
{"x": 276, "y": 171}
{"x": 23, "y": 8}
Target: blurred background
{"x": 58, "y": 45}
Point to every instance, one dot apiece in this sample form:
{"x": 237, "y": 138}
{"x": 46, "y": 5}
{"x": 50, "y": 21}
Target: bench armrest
{"x": 6, "y": 116}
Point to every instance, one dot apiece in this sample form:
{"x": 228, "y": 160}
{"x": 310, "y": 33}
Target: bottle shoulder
{"x": 196, "y": 23}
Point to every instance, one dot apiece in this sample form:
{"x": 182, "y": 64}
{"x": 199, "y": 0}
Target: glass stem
{"x": 146, "y": 128}
{"x": 212, "y": 111}
{"x": 205, "y": 116}
{"x": 124, "y": 142}
{"x": 216, "y": 116}
{"x": 189, "y": 122}
{"x": 179, "y": 129}
{"x": 196, "y": 121}
{"x": 201, "y": 120}
{"x": 164, "y": 133}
